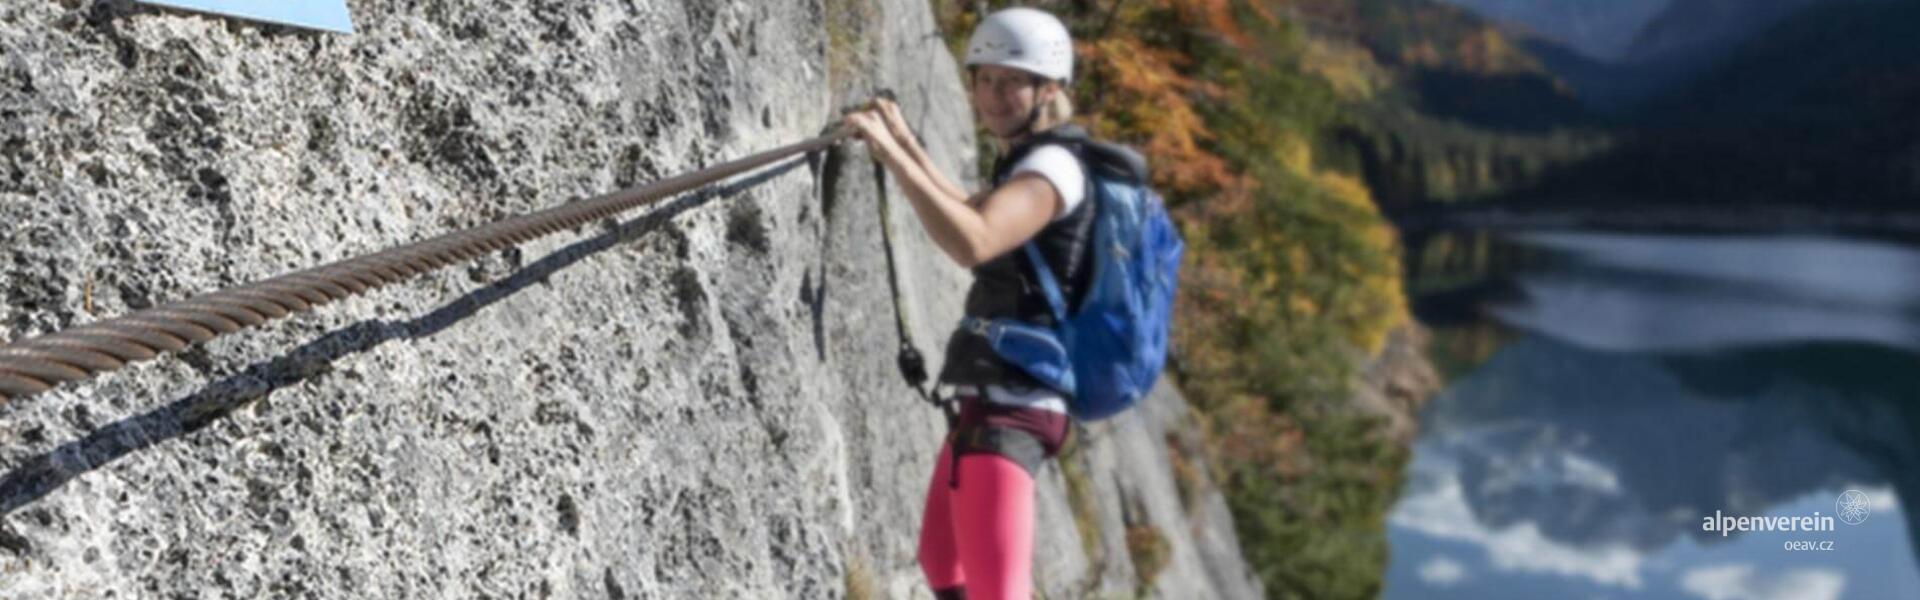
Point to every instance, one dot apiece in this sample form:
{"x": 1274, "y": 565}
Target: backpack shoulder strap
{"x": 1049, "y": 286}
{"x": 1078, "y": 142}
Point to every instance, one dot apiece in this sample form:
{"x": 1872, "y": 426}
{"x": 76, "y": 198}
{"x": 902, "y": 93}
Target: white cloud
{"x": 1441, "y": 571}
{"x": 1744, "y": 582}
{"x": 1884, "y": 499}
{"x": 1443, "y": 512}
{"x": 1587, "y": 473}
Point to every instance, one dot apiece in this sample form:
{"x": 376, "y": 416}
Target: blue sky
{"x": 328, "y": 15}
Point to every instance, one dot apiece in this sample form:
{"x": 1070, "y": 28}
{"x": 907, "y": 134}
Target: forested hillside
{"x": 1822, "y": 111}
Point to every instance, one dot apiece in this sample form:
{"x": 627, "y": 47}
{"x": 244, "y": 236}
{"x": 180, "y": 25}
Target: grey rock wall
{"x": 697, "y": 400}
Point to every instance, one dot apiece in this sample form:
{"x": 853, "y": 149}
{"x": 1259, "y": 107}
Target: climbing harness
{"x": 36, "y": 364}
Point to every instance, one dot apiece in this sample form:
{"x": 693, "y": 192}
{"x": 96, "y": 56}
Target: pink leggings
{"x": 978, "y": 537}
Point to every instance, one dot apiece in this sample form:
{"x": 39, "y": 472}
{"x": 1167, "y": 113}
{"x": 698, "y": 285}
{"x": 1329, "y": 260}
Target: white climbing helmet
{"x": 1023, "y": 38}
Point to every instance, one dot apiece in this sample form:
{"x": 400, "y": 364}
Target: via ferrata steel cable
{"x": 39, "y": 363}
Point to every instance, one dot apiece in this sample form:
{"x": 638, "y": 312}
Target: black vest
{"x": 1006, "y": 286}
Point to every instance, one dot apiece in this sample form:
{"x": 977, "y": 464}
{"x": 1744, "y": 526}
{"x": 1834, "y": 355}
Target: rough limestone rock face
{"x": 696, "y": 400}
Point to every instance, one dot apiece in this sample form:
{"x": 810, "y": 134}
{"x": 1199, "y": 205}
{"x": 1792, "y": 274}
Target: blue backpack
{"x": 1105, "y": 356}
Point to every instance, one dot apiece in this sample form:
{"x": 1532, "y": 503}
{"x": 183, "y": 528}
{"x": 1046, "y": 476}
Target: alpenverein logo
{"x": 1853, "y": 507}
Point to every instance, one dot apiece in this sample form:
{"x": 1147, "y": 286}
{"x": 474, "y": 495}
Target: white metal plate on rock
{"x": 327, "y": 15}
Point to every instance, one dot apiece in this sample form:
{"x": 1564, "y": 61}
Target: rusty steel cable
{"x": 36, "y": 364}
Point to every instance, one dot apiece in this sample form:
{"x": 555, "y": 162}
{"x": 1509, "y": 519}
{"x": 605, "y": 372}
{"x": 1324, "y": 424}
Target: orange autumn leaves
{"x": 1147, "y": 98}
{"x": 1144, "y": 90}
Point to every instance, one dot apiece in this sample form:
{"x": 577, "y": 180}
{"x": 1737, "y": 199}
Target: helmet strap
{"x": 1026, "y": 127}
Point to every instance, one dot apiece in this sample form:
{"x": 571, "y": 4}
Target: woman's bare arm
{"x": 1007, "y": 217}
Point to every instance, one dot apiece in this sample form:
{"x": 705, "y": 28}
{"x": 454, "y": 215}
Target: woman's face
{"x": 1004, "y": 97}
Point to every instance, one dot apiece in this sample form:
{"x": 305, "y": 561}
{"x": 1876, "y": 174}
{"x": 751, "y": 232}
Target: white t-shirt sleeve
{"x": 1061, "y": 169}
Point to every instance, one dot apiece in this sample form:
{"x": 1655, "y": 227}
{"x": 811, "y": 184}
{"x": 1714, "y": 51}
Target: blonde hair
{"x": 1056, "y": 112}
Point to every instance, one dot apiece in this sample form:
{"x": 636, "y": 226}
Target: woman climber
{"x": 976, "y": 537}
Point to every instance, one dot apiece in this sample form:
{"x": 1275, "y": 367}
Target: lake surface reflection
{"x": 1651, "y": 382}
